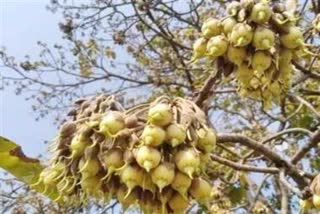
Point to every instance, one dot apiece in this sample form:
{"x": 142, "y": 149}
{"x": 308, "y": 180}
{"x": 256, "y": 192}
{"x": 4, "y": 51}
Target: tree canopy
{"x": 266, "y": 155}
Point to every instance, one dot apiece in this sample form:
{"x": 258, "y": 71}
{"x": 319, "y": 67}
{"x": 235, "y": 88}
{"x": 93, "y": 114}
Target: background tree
{"x": 137, "y": 50}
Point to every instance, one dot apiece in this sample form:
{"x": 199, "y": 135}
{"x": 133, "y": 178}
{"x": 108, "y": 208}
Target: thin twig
{"x": 287, "y": 131}
{"x": 308, "y": 105}
{"x": 287, "y": 184}
{"x": 284, "y": 198}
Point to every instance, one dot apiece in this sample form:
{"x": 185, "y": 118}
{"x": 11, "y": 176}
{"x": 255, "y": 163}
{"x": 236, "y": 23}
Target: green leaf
{"x": 14, "y": 161}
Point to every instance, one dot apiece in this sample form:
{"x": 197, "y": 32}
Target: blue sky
{"x": 22, "y": 24}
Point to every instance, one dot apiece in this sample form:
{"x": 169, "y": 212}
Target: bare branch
{"x": 307, "y": 104}
{"x": 313, "y": 142}
{"x": 244, "y": 167}
{"x": 279, "y": 161}
{"x": 284, "y": 199}
{"x": 287, "y": 131}
{"x": 287, "y": 184}
{"x": 208, "y": 85}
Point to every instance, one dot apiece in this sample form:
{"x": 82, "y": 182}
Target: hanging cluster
{"x": 221, "y": 204}
{"x": 260, "y": 39}
{"x": 152, "y": 155}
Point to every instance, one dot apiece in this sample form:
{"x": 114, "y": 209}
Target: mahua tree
{"x": 174, "y": 106}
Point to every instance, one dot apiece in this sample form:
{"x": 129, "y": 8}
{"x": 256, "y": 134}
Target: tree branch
{"x": 244, "y": 167}
{"x": 287, "y": 131}
{"x": 314, "y": 140}
{"x": 284, "y": 198}
{"x": 307, "y": 104}
{"x": 306, "y": 71}
{"x": 284, "y": 182}
{"x": 205, "y": 91}
{"x": 293, "y": 171}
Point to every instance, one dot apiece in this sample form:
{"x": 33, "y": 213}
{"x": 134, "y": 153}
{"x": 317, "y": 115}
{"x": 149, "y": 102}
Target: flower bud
{"x": 261, "y": 13}
{"x": 236, "y": 55}
{"x": 207, "y": 140}
{"x": 59, "y": 166}
{"x": 126, "y": 201}
{"x": 242, "y": 15}
{"x": 178, "y": 204}
{"x": 160, "y": 114}
{"x": 263, "y": 38}
{"x": 306, "y": 204}
{"x": 233, "y": 8}
{"x": 228, "y": 24}
{"x": 67, "y": 129}
{"x": 148, "y": 157}
{"x": 90, "y": 167}
{"x": 255, "y": 83}
{"x": 244, "y": 74}
{"x": 261, "y": 60}
{"x": 147, "y": 183}
{"x": 153, "y": 135}
{"x": 275, "y": 88}
{"x": 187, "y": 161}
{"x": 247, "y": 4}
{"x": 285, "y": 73}
{"x": 112, "y": 160}
{"x": 148, "y": 204}
{"x": 91, "y": 185}
{"x": 241, "y": 35}
{"x": 112, "y": 123}
{"x": 181, "y": 183}
{"x": 131, "y": 176}
{"x": 128, "y": 156}
{"x": 176, "y": 134}
{"x": 162, "y": 175}
{"x": 200, "y": 190}
{"x": 131, "y": 121}
{"x": 282, "y": 22}
{"x": 66, "y": 185}
{"x": 279, "y": 7}
{"x": 164, "y": 197}
{"x": 210, "y": 28}
{"x": 285, "y": 56}
{"x": 78, "y": 144}
{"x": 316, "y": 201}
{"x": 217, "y": 46}
{"x": 292, "y": 39}
{"x": 204, "y": 160}
{"x": 49, "y": 178}
{"x": 315, "y": 185}
{"x": 199, "y": 49}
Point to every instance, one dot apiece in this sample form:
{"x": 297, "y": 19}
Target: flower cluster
{"x": 152, "y": 155}
{"x": 260, "y": 39}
